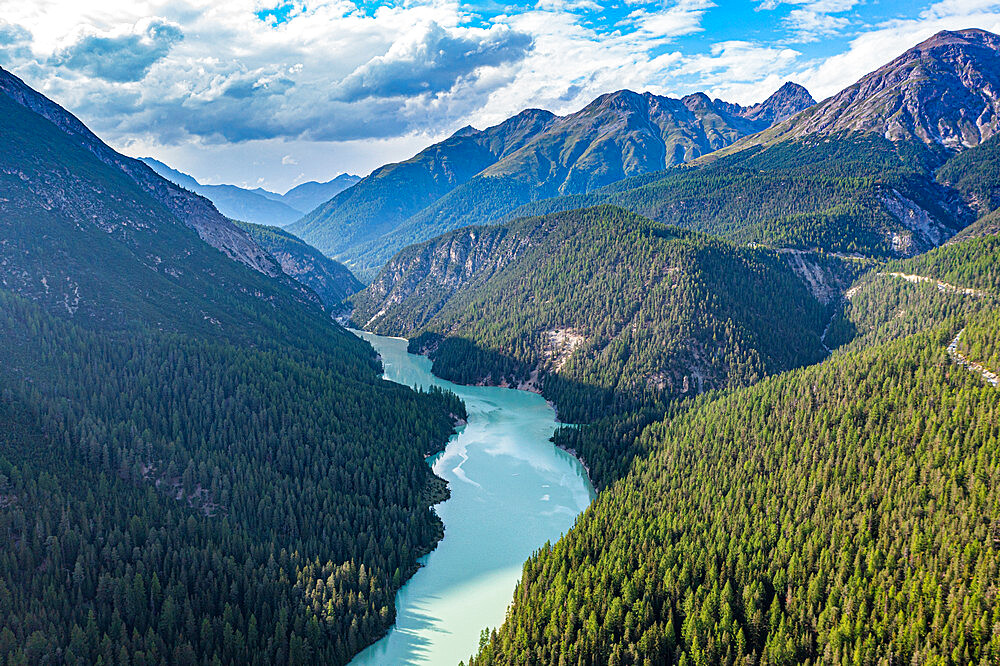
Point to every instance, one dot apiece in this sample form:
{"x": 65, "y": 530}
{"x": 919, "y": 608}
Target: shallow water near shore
{"x": 511, "y": 491}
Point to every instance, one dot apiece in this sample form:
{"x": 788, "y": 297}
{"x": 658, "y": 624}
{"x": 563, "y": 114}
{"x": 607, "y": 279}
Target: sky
{"x": 273, "y": 93}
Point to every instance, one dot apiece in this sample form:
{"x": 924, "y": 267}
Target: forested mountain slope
{"x": 845, "y": 512}
{"x": 331, "y": 280}
{"x": 599, "y": 309}
{"x": 383, "y": 200}
{"x": 857, "y": 194}
{"x": 618, "y": 135}
{"x": 189, "y": 467}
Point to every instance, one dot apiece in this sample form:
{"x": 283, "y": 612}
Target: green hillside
{"x": 858, "y": 194}
{"x": 478, "y": 177}
{"x": 841, "y": 513}
{"x": 380, "y": 202}
{"x": 600, "y": 309}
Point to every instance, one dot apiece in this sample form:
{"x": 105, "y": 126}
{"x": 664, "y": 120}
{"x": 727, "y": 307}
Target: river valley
{"x": 511, "y": 491}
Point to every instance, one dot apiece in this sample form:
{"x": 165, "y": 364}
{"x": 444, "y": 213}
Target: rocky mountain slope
{"x": 893, "y": 165}
{"x": 84, "y": 237}
{"x": 391, "y": 194}
{"x": 193, "y": 210}
{"x": 858, "y": 194}
{"x": 330, "y": 279}
{"x": 944, "y": 91}
{"x": 478, "y": 176}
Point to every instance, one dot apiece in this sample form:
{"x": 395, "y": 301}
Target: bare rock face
{"x": 436, "y": 270}
{"x": 944, "y": 91}
{"x": 789, "y": 99}
{"x": 191, "y": 209}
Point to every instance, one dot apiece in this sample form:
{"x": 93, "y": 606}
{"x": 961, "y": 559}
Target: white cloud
{"x": 330, "y": 86}
{"x": 812, "y": 20}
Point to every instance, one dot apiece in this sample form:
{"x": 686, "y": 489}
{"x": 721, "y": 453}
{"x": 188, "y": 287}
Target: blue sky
{"x": 273, "y": 93}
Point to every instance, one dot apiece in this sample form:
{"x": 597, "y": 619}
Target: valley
{"x": 658, "y": 380}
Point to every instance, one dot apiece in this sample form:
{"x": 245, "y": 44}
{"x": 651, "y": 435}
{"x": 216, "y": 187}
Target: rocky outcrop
{"x": 432, "y": 272}
{"x": 331, "y": 280}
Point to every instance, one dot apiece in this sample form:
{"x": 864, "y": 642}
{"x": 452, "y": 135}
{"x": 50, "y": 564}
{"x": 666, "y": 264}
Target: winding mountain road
{"x": 941, "y": 285}
{"x": 988, "y": 375}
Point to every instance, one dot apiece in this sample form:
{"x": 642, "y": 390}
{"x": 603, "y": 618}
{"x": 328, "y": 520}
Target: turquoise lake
{"x": 511, "y": 491}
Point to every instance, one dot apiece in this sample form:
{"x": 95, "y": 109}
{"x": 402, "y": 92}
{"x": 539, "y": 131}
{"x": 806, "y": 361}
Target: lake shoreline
{"x": 512, "y": 490}
{"x": 528, "y": 386}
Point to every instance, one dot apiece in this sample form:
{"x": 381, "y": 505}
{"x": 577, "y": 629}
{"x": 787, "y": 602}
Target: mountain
{"x": 234, "y": 202}
{"x": 192, "y": 210}
{"x": 787, "y": 101}
{"x": 858, "y": 194}
{"x": 385, "y": 199}
{"x": 189, "y": 469}
{"x": 331, "y": 280}
{"x": 892, "y": 166}
{"x": 307, "y": 196}
{"x": 103, "y": 238}
{"x": 800, "y": 518}
{"x": 618, "y": 135}
{"x": 597, "y": 309}
{"x": 944, "y": 91}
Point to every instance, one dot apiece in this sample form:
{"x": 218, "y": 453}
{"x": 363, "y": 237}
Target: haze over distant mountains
{"x": 478, "y": 176}
{"x": 259, "y": 206}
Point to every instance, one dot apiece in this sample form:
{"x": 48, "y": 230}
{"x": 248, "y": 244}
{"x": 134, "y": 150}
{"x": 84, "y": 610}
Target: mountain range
{"x": 479, "y": 176}
{"x": 944, "y": 91}
{"x": 773, "y": 333}
{"x": 893, "y": 133}
{"x": 258, "y": 206}
{"x": 820, "y": 202}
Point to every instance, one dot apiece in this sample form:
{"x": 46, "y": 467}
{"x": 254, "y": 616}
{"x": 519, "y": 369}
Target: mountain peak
{"x": 944, "y": 91}
{"x": 783, "y": 103}
{"x": 468, "y": 130}
{"x": 790, "y": 89}
{"x": 965, "y": 37}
